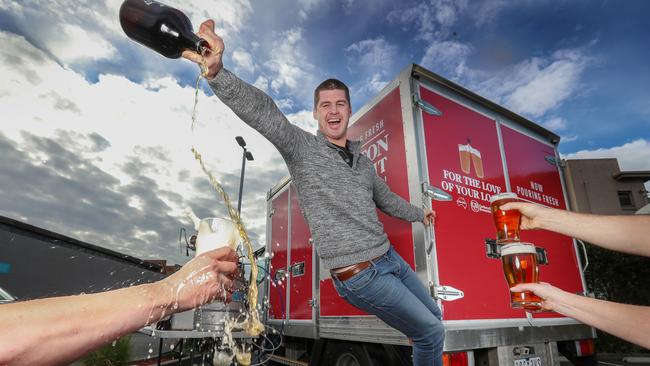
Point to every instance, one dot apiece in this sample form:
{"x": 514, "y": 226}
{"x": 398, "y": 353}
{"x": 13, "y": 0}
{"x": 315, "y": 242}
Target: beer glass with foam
{"x": 507, "y": 222}
{"x": 520, "y": 266}
{"x": 215, "y": 233}
{"x": 477, "y": 161}
{"x": 464, "y": 155}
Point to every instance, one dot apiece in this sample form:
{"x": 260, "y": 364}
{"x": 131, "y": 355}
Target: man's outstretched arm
{"x": 250, "y": 104}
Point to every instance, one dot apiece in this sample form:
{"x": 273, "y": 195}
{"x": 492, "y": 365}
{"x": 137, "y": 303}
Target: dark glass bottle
{"x": 162, "y": 28}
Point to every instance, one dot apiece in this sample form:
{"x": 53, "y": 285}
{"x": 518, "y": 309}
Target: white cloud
{"x": 243, "y": 62}
{"x": 447, "y": 58}
{"x": 569, "y": 138}
{"x": 262, "y": 83}
{"x": 304, "y": 119}
{"x": 78, "y": 45}
{"x": 45, "y": 99}
{"x": 420, "y": 15}
{"x": 371, "y": 54}
{"x": 306, "y": 7}
{"x": 371, "y": 85}
{"x": 546, "y": 88}
{"x": 533, "y": 87}
{"x": 76, "y": 33}
{"x": 488, "y": 10}
{"x": 230, "y": 16}
{"x": 633, "y": 155}
{"x": 555, "y": 124}
{"x": 285, "y": 103}
{"x": 288, "y": 64}
{"x": 433, "y": 19}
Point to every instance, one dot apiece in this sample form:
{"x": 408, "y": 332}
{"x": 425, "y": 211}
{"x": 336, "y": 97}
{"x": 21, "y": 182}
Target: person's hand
{"x": 201, "y": 280}
{"x": 429, "y": 217}
{"x": 551, "y": 296}
{"x": 532, "y": 215}
{"x": 213, "y": 60}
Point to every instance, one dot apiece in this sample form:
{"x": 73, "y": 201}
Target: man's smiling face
{"x": 333, "y": 114}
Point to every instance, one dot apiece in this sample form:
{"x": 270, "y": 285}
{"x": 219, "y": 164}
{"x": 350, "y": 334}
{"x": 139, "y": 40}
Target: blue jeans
{"x": 391, "y": 290}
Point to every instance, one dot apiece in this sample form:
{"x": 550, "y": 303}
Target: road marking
{"x": 612, "y": 364}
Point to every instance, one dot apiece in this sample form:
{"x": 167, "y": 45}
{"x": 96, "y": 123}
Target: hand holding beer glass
{"x": 507, "y": 222}
{"x": 215, "y": 233}
{"x": 520, "y": 266}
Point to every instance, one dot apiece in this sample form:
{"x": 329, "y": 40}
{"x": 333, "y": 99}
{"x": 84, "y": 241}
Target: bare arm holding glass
{"x": 628, "y": 322}
{"x": 60, "y": 330}
{"x": 629, "y": 234}
{"x": 623, "y": 233}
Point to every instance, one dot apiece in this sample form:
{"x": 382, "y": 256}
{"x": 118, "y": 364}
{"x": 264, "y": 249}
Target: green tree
{"x": 622, "y": 278}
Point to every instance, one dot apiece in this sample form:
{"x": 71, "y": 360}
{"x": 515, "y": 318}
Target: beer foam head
{"x": 215, "y": 233}
{"x": 518, "y": 248}
{"x": 503, "y": 195}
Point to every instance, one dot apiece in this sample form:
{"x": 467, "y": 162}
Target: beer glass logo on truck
{"x": 471, "y": 189}
{"x": 469, "y": 154}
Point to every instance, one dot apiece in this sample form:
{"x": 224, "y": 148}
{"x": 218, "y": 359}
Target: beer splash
{"x": 251, "y": 323}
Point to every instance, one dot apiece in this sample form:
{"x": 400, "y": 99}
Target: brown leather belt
{"x": 348, "y": 273}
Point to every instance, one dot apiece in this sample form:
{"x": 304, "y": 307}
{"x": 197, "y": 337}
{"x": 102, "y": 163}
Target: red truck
{"x": 431, "y": 139}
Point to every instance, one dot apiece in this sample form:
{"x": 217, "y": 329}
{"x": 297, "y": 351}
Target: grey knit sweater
{"x": 338, "y": 201}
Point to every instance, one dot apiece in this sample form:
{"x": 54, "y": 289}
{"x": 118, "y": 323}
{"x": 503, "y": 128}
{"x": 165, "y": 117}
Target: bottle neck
{"x": 201, "y": 46}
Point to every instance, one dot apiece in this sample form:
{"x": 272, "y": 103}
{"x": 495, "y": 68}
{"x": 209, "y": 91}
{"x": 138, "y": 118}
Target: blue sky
{"x": 95, "y": 129}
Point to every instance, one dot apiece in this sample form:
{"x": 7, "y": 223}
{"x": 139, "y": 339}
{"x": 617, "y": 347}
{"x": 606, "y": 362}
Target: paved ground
{"x": 619, "y": 360}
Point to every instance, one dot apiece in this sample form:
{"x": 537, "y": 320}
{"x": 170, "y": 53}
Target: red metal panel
{"x": 382, "y": 134}
{"x": 279, "y": 230}
{"x": 535, "y": 177}
{"x": 464, "y": 223}
{"x": 301, "y": 285}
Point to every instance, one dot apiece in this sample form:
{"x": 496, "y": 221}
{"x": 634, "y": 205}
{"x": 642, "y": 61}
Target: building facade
{"x": 599, "y": 186}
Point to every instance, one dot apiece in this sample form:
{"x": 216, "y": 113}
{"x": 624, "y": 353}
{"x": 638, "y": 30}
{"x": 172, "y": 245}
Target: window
{"x": 625, "y": 199}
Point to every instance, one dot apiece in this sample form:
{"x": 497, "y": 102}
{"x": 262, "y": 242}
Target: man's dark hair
{"x": 331, "y": 84}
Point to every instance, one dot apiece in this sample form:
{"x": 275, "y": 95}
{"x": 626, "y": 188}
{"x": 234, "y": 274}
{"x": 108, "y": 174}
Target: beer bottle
{"x": 164, "y": 29}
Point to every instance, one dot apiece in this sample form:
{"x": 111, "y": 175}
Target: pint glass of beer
{"x": 507, "y": 222}
{"x": 477, "y": 161}
{"x": 464, "y": 155}
{"x": 215, "y": 233}
{"x": 520, "y": 266}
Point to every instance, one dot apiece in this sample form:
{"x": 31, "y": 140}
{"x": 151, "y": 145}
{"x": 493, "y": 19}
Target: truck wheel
{"x": 350, "y": 354}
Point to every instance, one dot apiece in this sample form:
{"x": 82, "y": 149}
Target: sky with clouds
{"x": 95, "y": 131}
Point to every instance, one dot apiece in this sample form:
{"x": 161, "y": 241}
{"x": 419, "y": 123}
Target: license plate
{"x": 530, "y": 361}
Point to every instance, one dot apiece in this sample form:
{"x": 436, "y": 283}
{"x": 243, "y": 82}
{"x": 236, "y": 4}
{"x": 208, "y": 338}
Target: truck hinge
{"x": 551, "y": 160}
{"x": 446, "y": 293}
{"x": 272, "y": 212}
{"x": 312, "y": 302}
{"x": 426, "y": 106}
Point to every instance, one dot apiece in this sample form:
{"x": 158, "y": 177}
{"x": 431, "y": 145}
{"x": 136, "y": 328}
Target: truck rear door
{"x": 472, "y": 156}
{"x": 463, "y": 158}
{"x": 534, "y": 176}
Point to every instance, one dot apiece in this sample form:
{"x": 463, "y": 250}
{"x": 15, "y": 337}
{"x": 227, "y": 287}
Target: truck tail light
{"x": 455, "y": 359}
{"x": 585, "y": 347}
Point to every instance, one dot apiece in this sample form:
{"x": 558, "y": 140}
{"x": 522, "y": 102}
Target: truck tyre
{"x": 349, "y": 354}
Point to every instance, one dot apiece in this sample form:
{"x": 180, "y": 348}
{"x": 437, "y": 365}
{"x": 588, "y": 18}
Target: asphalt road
{"x": 615, "y": 360}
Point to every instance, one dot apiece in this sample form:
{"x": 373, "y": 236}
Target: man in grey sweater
{"x": 339, "y": 192}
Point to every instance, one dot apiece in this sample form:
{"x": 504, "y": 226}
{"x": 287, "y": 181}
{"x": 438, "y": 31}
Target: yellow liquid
{"x": 251, "y": 324}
